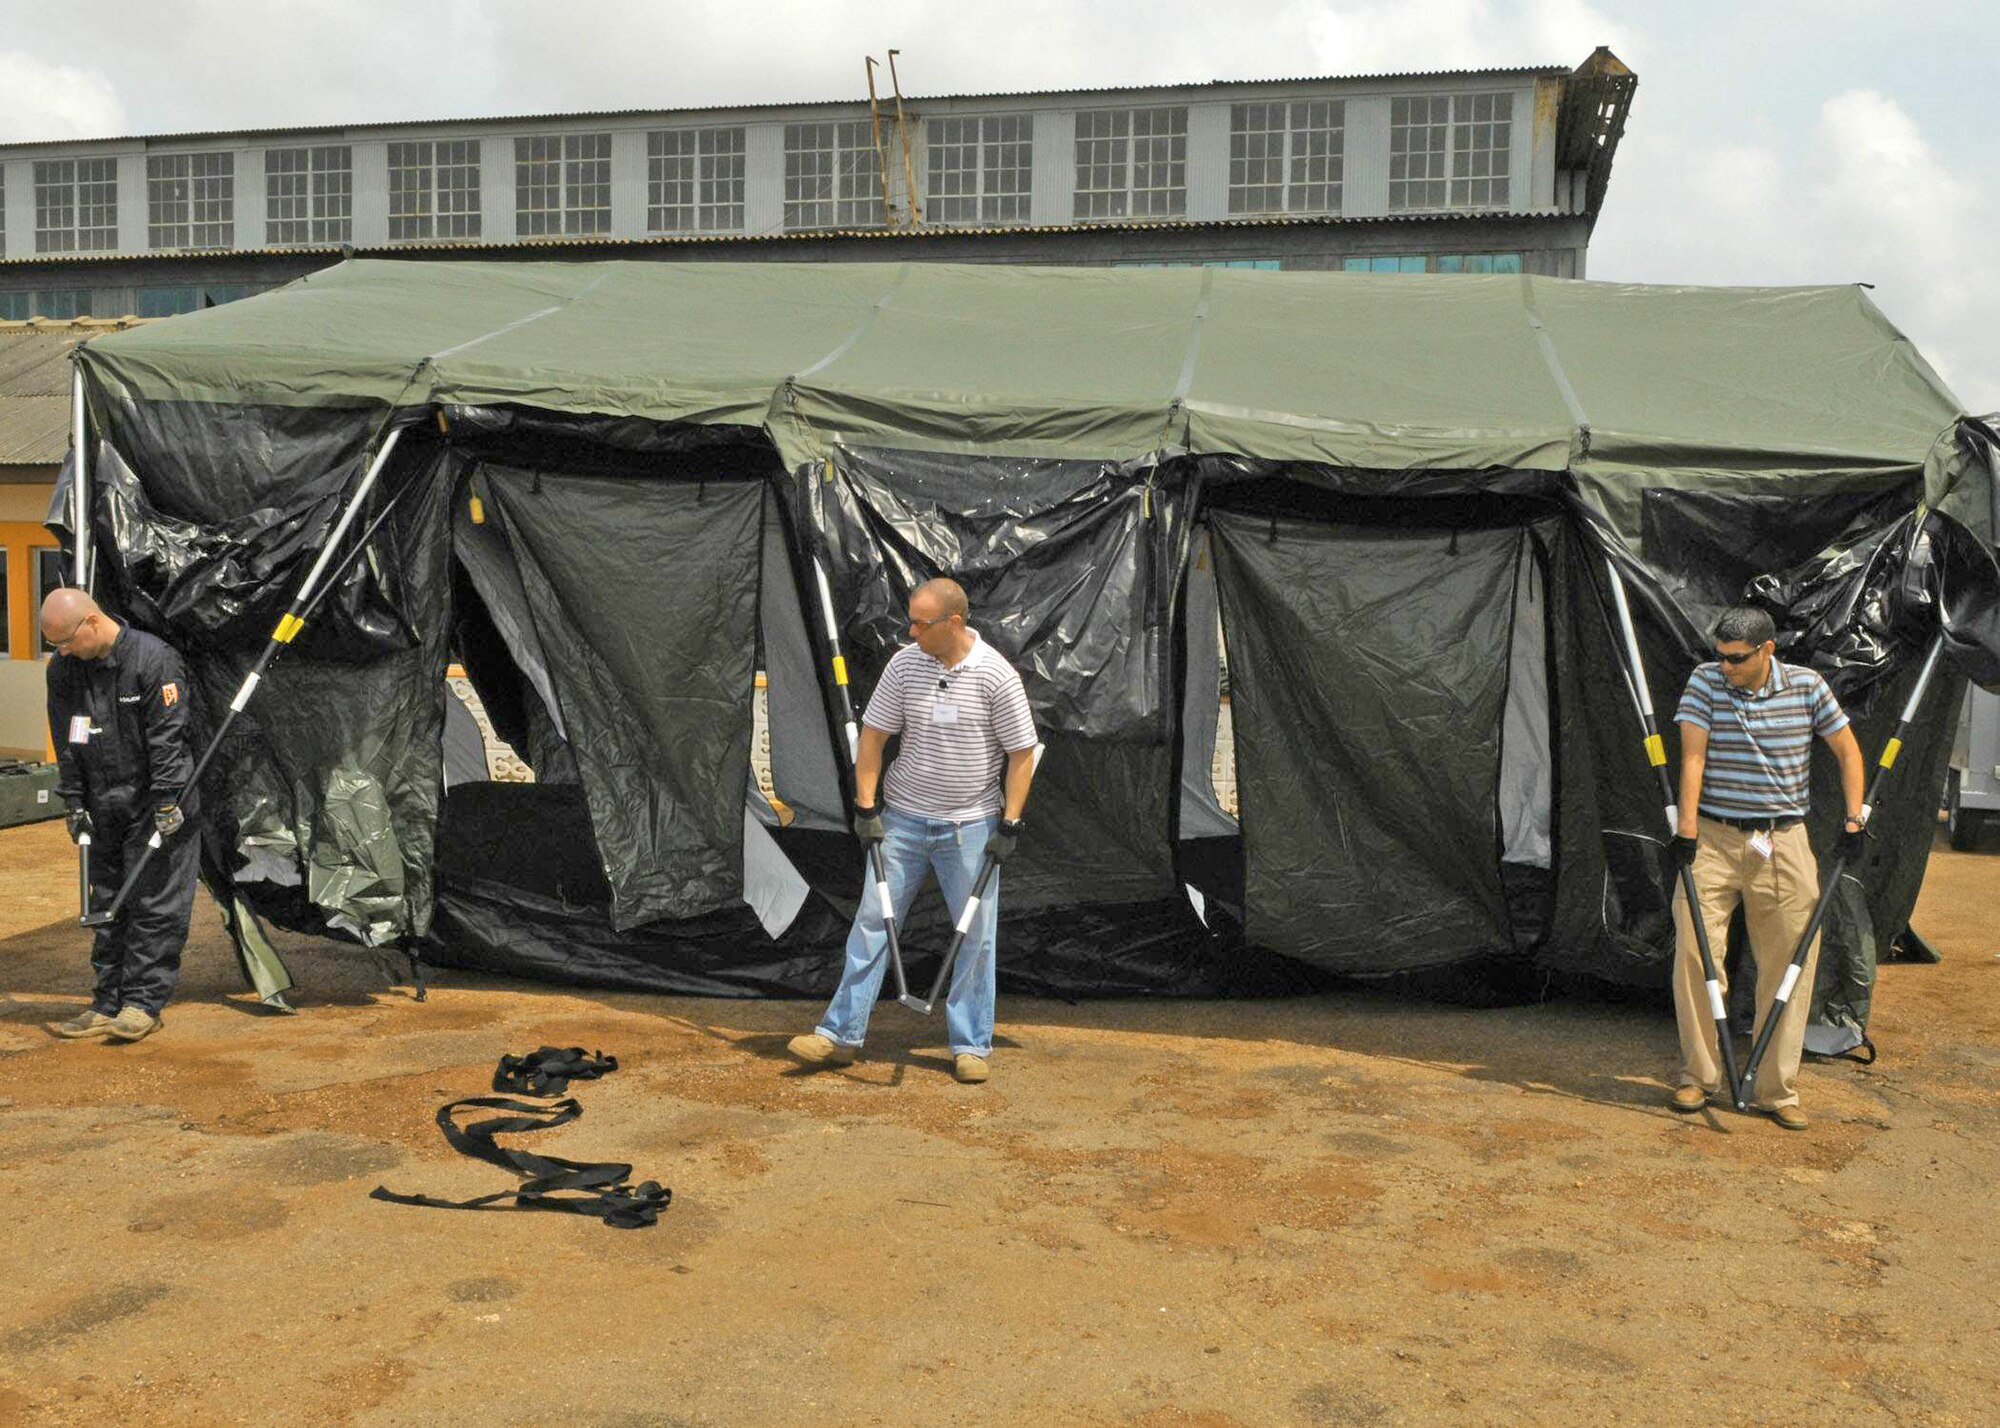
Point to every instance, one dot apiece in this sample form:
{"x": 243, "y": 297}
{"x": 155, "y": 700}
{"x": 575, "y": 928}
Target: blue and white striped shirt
{"x": 1759, "y": 740}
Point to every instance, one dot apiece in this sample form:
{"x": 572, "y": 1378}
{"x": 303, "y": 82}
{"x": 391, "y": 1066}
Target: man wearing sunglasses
{"x": 954, "y": 794}
{"x": 1747, "y": 723}
{"x": 118, "y": 711}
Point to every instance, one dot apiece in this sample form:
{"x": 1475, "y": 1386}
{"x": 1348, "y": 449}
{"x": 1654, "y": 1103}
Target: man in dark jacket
{"x": 118, "y": 712}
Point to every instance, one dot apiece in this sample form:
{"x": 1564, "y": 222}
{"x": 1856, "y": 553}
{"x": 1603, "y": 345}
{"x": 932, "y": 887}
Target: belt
{"x": 1756, "y": 825}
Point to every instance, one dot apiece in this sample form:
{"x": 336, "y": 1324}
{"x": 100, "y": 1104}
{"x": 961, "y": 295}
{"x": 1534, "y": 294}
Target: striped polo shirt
{"x": 958, "y": 726}
{"x": 1759, "y": 740}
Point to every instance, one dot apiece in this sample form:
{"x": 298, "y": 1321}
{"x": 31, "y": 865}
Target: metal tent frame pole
{"x": 79, "y": 525}
{"x": 1656, "y": 755}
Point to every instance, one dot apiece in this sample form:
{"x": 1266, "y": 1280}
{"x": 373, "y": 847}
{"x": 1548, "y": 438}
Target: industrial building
{"x": 1499, "y": 170}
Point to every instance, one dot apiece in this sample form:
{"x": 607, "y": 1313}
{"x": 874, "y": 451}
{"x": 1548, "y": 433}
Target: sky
{"x": 1771, "y": 141}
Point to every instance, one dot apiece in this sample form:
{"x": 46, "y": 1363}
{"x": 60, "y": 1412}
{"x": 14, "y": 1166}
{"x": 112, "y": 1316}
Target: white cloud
{"x": 1368, "y": 36}
{"x": 1863, "y": 198}
{"x": 55, "y": 101}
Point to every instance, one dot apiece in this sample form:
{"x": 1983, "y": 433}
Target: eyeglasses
{"x": 917, "y": 624}
{"x": 1735, "y": 659}
{"x": 62, "y": 645}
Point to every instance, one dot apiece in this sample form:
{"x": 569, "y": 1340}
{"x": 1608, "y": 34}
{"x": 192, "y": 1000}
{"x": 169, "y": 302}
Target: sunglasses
{"x": 1735, "y": 659}
{"x": 916, "y": 624}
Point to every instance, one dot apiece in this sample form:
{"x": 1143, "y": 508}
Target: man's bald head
{"x": 948, "y": 594}
{"x": 75, "y": 625}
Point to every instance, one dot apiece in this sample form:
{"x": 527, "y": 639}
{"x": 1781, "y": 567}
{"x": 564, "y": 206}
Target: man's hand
{"x": 78, "y": 822}
{"x": 1003, "y": 839}
{"x": 1852, "y": 845}
{"x": 168, "y": 819}
{"x": 868, "y": 823}
{"x": 1684, "y": 850}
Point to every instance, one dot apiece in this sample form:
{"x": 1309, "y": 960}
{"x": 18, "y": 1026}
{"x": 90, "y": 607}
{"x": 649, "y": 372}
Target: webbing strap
{"x": 548, "y": 1070}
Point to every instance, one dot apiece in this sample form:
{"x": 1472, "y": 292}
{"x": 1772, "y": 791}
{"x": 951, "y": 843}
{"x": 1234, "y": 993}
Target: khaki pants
{"x": 1777, "y": 894}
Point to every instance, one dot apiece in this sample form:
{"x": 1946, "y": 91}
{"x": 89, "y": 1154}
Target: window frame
{"x": 711, "y": 174}
{"x": 1293, "y": 177}
{"x": 846, "y": 176}
{"x": 1127, "y": 145}
{"x": 557, "y": 168}
{"x": 87, "y": 190}
{"x": 1450, "y": 126}
{"x": 982, "y": 204}
{"x": 309, "y": 195}
{"x": 203, "y": 207}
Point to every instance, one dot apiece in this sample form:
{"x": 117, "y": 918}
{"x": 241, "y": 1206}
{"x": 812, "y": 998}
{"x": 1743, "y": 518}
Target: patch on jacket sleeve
{"x": 170, "y": 694}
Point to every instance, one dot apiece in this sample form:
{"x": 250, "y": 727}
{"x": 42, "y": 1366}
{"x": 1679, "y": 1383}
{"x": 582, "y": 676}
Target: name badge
{"x": 943, "y": 713}
{"x": 79, "y": 728}
{"x": 1760, "y": 842}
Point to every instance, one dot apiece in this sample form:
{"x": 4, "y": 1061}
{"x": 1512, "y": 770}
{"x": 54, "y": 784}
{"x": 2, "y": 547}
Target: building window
{"x": 1482, "y": 139}
{"x": 309, "y": 195}
{"x": 190, "y": 200}
{"x": 63, "y": 303}
{"x": 833, "y": 176}
{"x": 188, "y": 297}
{"x": 1286, "y": 158}
{"x": 76, "y": 206}
{"x": 1131, "y": 163}
{"x": 1450, "y": 151}
{"x": 49, "y": 576}
{"x": 434, "y": 190}
{"x": 694, "y": 181}
{"x": 562, "y": 185}
{"x": 1440, "y": 263}
{"x": 15, "y": 307}
{"x": 980, "y": 169}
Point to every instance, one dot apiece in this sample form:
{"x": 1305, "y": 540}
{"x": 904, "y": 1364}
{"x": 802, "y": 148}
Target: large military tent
{"x": 620, "y": 490}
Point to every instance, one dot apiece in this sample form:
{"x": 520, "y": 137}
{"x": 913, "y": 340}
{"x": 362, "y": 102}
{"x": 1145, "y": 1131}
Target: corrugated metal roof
{"x": 190, "y": 135}
{"x": 34, "y": 386}
{"x": 804, "y": 235}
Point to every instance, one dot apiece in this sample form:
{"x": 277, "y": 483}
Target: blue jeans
{"x": 914, "y": 845}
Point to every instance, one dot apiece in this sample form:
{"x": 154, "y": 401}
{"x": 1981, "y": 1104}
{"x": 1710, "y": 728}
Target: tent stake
{"x": 1782, "y": 1000}
{"x": 1656, "y": 755}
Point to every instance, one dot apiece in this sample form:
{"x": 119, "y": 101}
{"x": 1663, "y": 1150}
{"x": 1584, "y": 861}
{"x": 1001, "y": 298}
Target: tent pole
{"x": 1656, "y": 755}
{"x": 1782, "y": 1000}
{"x": 294, "y": 620}
{"x": 79, "y": 537}
{"x": 878, "y": 869}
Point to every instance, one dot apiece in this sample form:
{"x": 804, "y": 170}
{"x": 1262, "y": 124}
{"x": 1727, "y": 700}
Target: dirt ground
{"x": 1342, "y": 1210}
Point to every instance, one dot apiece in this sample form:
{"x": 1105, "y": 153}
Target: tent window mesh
{"x": 1131, "y": 163}
{"x": 1287, "y": 158}
{"x": 694, "y": 180}
{"x": 190, "y": 200}
{"x": 76, "y": 206}
{"x": 562, "y": 185}
{"x": 309, "y": 195}
{"x": 833, "y": 176}
{"x": 979, "y": 169}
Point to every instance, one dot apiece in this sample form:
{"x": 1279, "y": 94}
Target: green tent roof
{"x": 1609, "y": 381}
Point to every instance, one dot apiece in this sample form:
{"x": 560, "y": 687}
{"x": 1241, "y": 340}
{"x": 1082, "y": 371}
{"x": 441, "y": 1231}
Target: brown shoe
{"x": 1689, "y": 1099}
{"x": 817, "y": 1050}
{"x": 969, "y": 1068}
{"x": 1790, "y": 1117}
{"x": 132, "y": 1024}
{"x": 88, "y": 1022}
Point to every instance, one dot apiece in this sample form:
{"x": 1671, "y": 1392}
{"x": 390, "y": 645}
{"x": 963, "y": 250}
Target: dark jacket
{"x": 138, "y": 755}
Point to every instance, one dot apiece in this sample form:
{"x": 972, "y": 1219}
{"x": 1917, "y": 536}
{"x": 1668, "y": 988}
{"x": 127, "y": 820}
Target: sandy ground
{"x": 1342, "y": 1210}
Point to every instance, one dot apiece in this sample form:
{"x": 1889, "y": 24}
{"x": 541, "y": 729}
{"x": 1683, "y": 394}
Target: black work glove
{"x": 868, "y": 823}
{"x": 1003, "y": 838}
{"x": 168, "y": 819}
{"x": 1852, "y": 845}
{"x": 78, "y": 822}
{"x": 1684, "y": 850}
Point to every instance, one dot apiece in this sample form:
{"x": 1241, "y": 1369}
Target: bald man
{"x": 118, "y": 712}
{"x": 954, "y": 794}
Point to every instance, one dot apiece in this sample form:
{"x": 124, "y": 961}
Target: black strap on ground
{"x": 548, "y": 1070}
{"x": 602, "y": 1190}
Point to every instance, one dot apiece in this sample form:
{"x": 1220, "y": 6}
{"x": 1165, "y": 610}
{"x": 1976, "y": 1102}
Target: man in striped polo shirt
{"x": 954, "y": 794}
{"x": 1747, "y": 724}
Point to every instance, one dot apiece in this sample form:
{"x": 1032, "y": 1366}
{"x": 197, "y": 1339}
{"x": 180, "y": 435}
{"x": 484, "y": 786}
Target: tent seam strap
{"x": 1553, "y": 361}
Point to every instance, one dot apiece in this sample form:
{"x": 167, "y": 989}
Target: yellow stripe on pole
{"x": 1889, "y": 752}
{"x": 478, "y": 511}
{"x": 1656, "y": 751}
{"x": 288, "y": 629}
{"x": 839, "y": 670}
